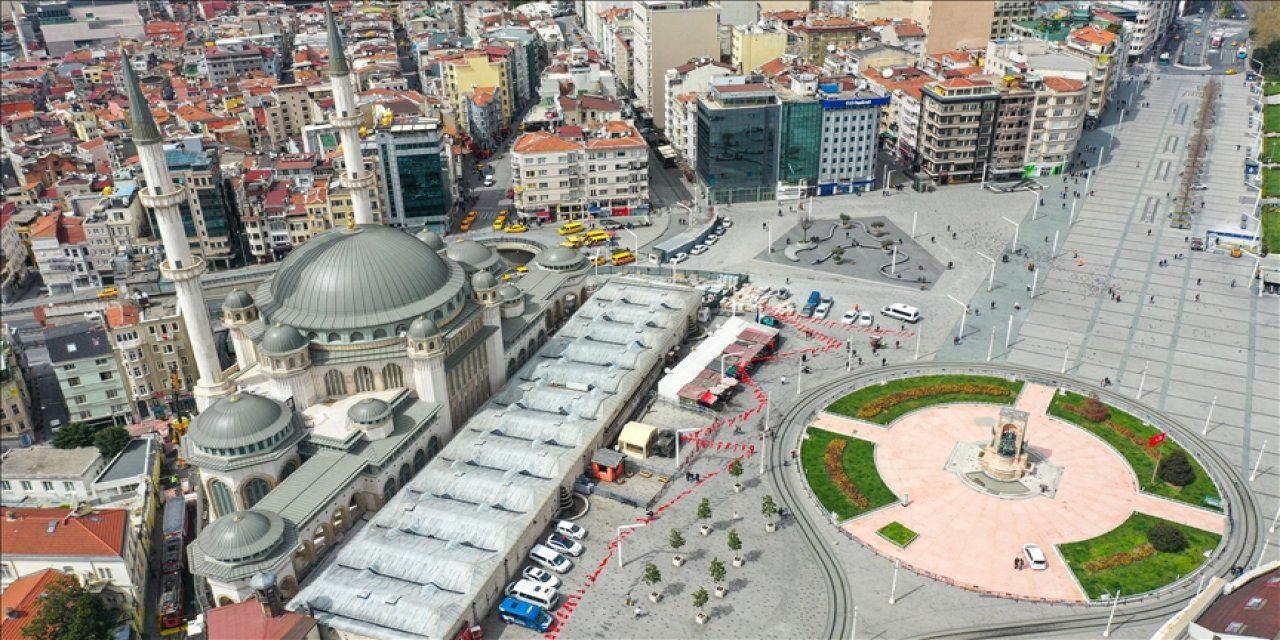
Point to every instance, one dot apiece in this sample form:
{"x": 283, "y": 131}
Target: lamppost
{"x": 1015, "y": 232}
{"x": 636, "y": 239}
{"x": 983, "y": 183}
{"x": 619, "y": 539}
{"x": 964, "y": 311}
{"x": 991, "y": 281}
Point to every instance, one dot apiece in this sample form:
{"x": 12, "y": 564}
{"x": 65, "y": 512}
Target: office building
{"x": 738, "y": 127}
{"x": 957, "y": 121}
{"x": 415, "y": 171}
{"x": 665, "y": 35}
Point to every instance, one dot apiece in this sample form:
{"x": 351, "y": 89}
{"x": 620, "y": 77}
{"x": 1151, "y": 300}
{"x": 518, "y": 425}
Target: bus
{"x": 1164, "y": 58}
{"x": 1242, "y": 53}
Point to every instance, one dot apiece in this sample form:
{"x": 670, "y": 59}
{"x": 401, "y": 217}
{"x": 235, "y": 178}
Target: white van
{"x": 534, "y": 593}
{"x": 547, "y": 558}
{"x": 901, "y": 311}
{"x": 1035, "y": 557}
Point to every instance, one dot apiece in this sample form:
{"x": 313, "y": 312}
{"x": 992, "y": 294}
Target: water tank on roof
{"x": 886, "y": 73}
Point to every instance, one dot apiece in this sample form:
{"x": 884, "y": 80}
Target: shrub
{"x": 1166, "y": 538}
{"x": 1121, "y": 559}
{"x": 887, "y": 402}
{"x": 704, "y": 509}
{"x": 1176, "y": 469}
{"x": 833, "y": 461}
{"x": 676, "y": 540}
{"x": 1094, "y": 410}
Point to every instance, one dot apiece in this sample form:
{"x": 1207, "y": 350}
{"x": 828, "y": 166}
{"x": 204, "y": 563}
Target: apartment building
{"x": 606, "y": 172}
{"x": 1009, "y": 12}
{"x": 683, "y": 84}
{"x": 1056, "y": 123}
{"x": 88, "y": 374}
{"x": 468, "y": 70}
{"x": 813, "y": 38}
{"x": 15, "y": 270}
{"x": 1104, "y": 50}
{"x": 738, "y": 128}
{"x": 1146, "y": 21}
{"x": 666, "y": 34}
{"x": 750, "y": 46}
{"x": 17, "y": 426}
{"x": 954, "y": 24}
{"x": 49, "y": 477}
{"x": 417, "y": 182}
{"x": 957, "y": 122}
{"x": 99, "y": 548}
{"x": 208, "y": 214}
{"x": 113, "y": 227}
{"x": 1012, "y": 129}
{"x": 230, "y": 60}
{"x": 154, "y": 352}
{"x": 61, "y": 252}
{"x": 838, "y": 120}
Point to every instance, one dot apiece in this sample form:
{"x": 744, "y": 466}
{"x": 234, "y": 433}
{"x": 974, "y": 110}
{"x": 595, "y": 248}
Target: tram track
{"x": 1243, "y": 541}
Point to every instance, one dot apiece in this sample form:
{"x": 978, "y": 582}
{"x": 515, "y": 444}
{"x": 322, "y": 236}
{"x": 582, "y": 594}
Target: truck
{"x": 1164, "y": 58}
{"x": 532, "y": 616}
{"x": 815, "y": 297}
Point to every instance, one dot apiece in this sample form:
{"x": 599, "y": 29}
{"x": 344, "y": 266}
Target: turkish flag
{"x": 1155, "y": 440}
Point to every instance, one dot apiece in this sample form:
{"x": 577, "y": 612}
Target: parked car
{"x": 517, "y": 228}
{"x": 866, "y": 319}
{"x": 571, "y": 530}
{"x": 1199, "y": 186}
{"x": 726, "y": 222}
{"x": 850, "y": 317}
{"x": 822, "y": 311}
{"x": 1035, "y": 557}
{"x": 564, "y": 544}
{"x": 541, "y": 576}
{"x": 679, "y": 257}
{"x": 699, "y": 249}
{"x": 548, "y": 559}
{"x": 711, "y": 239}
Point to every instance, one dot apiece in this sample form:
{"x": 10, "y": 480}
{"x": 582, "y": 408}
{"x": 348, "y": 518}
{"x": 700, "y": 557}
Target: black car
{"x": 665, "y": 444}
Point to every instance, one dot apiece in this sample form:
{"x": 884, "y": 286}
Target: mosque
{"x": 355, "y": 364}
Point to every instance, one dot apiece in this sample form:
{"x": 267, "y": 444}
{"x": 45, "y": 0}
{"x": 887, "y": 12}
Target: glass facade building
{"x": 416, "y": 182}
{"x": 801, "y": 138}
{"x": 737, "y": 142}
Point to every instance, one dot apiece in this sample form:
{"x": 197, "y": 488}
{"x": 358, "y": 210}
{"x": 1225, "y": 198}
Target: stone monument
{"x": 1005, "y": 456}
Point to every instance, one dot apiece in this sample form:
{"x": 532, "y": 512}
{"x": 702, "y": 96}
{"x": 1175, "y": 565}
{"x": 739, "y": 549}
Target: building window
{"x": 48, "y": 486}
{"x": 4, "y": 485}
{"x": 255, "y": 490}
{"x": 26, "y": 486}
{"x": 221, "y": 498}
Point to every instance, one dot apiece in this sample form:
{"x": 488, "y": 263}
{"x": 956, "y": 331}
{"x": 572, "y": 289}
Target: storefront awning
{"x": 707, "y": 398}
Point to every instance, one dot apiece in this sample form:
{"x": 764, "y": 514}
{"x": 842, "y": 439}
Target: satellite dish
{"x": 886, "y": 73}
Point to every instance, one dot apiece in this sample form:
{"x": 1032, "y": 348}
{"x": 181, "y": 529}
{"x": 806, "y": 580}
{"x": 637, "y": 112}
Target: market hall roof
{"x": 358, "y": 278}
{"x": 435, "y": 547}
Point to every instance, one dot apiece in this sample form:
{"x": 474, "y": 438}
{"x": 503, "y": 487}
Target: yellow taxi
{"x": 1232, "y": 72}
{"x": 573, "y": 242}
{"x": 517, "y": 228}
{"x": 522, "y": 269}
{"x": 599, "y": 260}
{"x": 506, "y": 277}
{"x": 465, "y": 226}
{"x": 571, "y": 228}
{"x": 623, "y": 257}
{"x": 500, "y": 221}
{"x": 471, "y": 215}
{"x": 109, "y": 292}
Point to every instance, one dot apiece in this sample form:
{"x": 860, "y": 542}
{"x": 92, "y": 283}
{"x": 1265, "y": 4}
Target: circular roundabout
{"x": 961, "y": 473}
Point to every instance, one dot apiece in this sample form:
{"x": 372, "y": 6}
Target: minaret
{"x": 180, "y": 265}
{"x": 346, "y": 119}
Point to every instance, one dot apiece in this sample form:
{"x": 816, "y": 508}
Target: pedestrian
{"x": 735, "y": 515}
{"x": 932, "y": 239}
{"x": 884, "y": 361}
{"x": 1197, "y": 297}
{"x": 1233, "y": 284}
{"x": 955, "y": 340}
{"x": 949, "y": 226}
{"x": 953, "y": 236}
{"x": 1153, "y": 300}
{"x": 784, "y": 380}
{"x": 993, "y": 304}
{"x": 1197, "y": 282}
{"x": 1148, "y": 233}
{"x": 639, "y": 612}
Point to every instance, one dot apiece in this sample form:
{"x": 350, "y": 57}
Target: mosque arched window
{"x": 379, "y": 333}
{"x": 393, "y": 376}
{"x": 356, "y": 336}
{"x": 388, "y": 489}
{"x": 255, "y": 490}
{"x": 419, "y": 460}
{"x": 405, "y": 474}
{"x": 334, "y": 384}
{"x": 222, "y": 501}
{"x": 364, "y": 379}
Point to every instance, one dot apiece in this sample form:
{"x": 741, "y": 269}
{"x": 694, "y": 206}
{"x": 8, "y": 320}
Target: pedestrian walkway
{"x": 971, "y": 538}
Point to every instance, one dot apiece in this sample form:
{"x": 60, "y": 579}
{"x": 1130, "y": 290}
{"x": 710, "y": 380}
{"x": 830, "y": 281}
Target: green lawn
{"x": 1271, "y": 118}
{"x": 1147, "y": 574}
{"x": 1271, "y": 183}
{"x": 859, "y": 465}
{"x": 1271, "y": 150}
{"x": 1271, "y": 228}
{"x": 898, "y": 533}
{"x": 1143, "y": 465}
{"x": 1270, "y": 88}
{"x": 849, "y": 405}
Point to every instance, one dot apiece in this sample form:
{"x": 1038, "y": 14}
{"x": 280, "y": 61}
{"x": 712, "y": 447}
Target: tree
{"x": 717, "y": 571}
{"x": 68, "y": 612}
{"x": 1176, "y": 469}
{"x": 704, "y": 510}
{"x": 768, "y": 508}
{"x": 1166, "y": 538}
{"x": 735, "y": 468}
{"x": 676, "y": 540}
{"x": 111, "y": 441}
{"x": 73, "y": 436}
{"x": 652, "y": 576}
{"x": 700, "y": 598}
{"x": 735, "y": 543}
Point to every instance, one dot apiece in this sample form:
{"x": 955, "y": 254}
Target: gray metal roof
{"x": 431, "y": 239}
{"x": 76, "y": 341}
{"x": 142, "y": 125}
{"x": 312, "y": 486}
{"x": 135, "y": 460}
{"x": 560, "y": 258}
{"x": 254, "y": 542}
{"x": 337, "y": 53}
{"x": 369, "y": 411}
{"x": 281, "y": 339}
{"x": 471, "y": 253}
{"x": 423, "y": 328}
{"x": 353, "y": 279}
{"x": 415, "y": 570}
{"x": 237, "y": 299}
{"x": 237, "y": 421}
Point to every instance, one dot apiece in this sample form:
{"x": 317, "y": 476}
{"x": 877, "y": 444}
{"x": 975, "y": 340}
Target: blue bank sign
{"x": 855, "y": 103}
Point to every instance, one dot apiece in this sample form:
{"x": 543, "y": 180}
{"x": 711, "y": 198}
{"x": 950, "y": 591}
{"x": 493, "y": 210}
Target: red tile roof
{"x": 19, "y": 600}
{"x": 1063, "y": 85}
{"x": 122, "y": 316}
{"x": 248, "y": 621}
{"x": 542, "y": 142}
{"x": 31, "y": 532}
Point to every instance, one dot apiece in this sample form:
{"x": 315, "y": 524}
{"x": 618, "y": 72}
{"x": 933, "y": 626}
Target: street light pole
{"x": 1008, "y": 332}
{"x": 636, "y": 239}
{"x": 766, "y": 428}
{"x": 991, "y": 346}
{"x": 893, "y": 589}
{"x": 1207, "y": 418}
{"x": 918, "y": 332}
{"x": 799, "y": 375}
{"x": 1253, "y": 475}
{"x": 1072, "y": 220}
{"x": 991, "y": 280}
{"x": 914, "y": 216}
{"x": 893, "y": 266}
{"x": 1143, "y": 382}
{"x": 626, "y": 526}
{"x": 1015, "y": 232}
{"x": 1106, "y": 633}
{"x": 1065, "y": 352}
{"x": 964, "y": 311}
{"x": 1035, "y": 277}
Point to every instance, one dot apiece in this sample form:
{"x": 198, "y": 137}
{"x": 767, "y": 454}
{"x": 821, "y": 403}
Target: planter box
{"x": 770, "y": 526}
{"x": 737, "y": 487}
{"x": 704, "y": 529}
{"x": 720, "y": 591}
{"x": 677, "y": 561}
{"x": 654, "y": 597}
{"x": 701, "y": 618}
{"x": 739, "y": 561}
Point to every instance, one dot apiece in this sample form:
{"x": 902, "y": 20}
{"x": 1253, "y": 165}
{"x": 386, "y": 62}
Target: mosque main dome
{"x": 360, "y": 278}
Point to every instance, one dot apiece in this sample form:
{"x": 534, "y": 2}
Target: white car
{"x": 849, "y": 317}
{"x": 549, "y": 559}
{"x": 540, "y": 576}
{"x": 1035, "y": 557}
{"x": 571, "y": 530}
{"x": 822, "y": 311}
{"x": 711, "y": 239}
{"x": 679, "y": 257}
{"x": 865, "y": 319}
{"x": 699, "y": 249}
{"x": 564, "y": 544}
{"x": 1199, "y": 186}
{"x": 726, "y": 223}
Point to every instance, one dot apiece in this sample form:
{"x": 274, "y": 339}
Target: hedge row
{"x": 833, "y": 460}
{"x": 1121, "y": 559}
{"x": 1116, "y": 427}
{"x": 885, "y": 403}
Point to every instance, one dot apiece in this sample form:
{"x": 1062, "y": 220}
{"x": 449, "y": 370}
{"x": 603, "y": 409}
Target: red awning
{"x": 621, "y": 211}
{"x": 708, "y": 398}
{"x": 546, "y": 215}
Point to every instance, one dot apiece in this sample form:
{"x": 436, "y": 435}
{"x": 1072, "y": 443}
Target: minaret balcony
{"x": 345, "y": 122}
{"x": 164, "y": 200}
